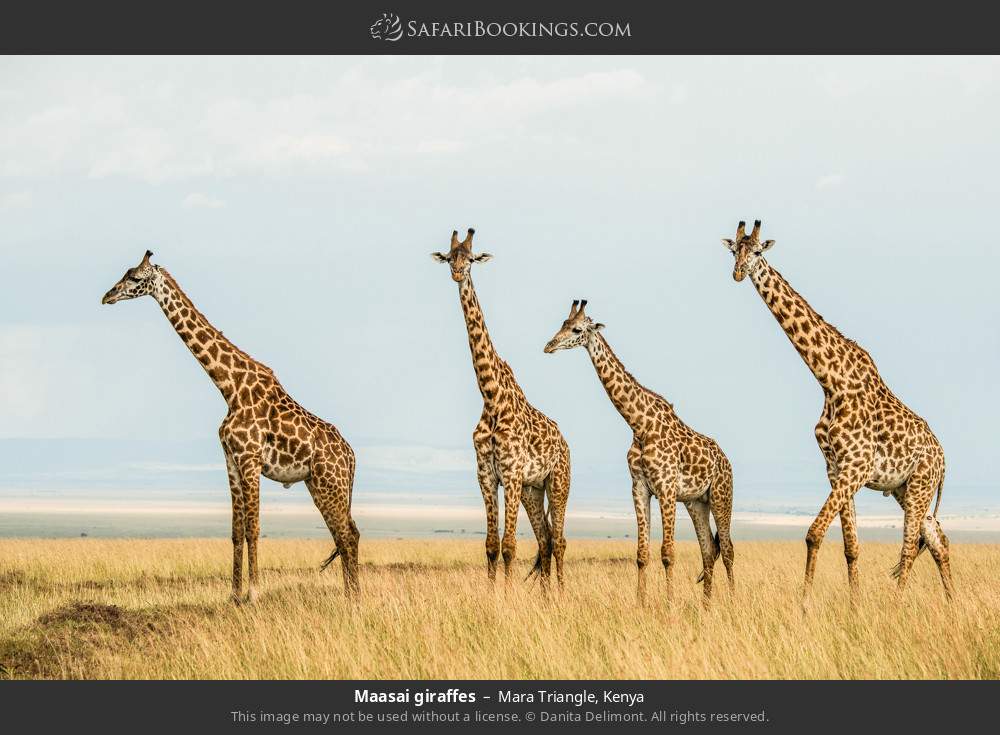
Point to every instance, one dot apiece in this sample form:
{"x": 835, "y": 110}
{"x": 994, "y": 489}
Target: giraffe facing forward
{"x": 265, "y": 431}
{"x": 667, "y": 460}
{"x": 516, "y": 444}
{"x": 868, "y": 437}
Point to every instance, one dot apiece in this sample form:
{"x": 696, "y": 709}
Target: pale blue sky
{"x": 297, "y": 199}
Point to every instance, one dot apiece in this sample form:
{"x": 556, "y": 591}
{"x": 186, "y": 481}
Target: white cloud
{"x": 830, "y": 181}
{"x": 197, "y": 200}
{"x": 15, "y": 200}
{"x": 107, "y": 125}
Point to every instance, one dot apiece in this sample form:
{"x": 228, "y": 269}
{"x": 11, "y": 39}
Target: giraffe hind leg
{"x": 720, "y": 499}
{"x": 932, "y": 537}
{"x": 557, "y": 488}
{"x": 533, "y": 500}
{"x": 332, "y": 498}
{"x": 700, "y": 517}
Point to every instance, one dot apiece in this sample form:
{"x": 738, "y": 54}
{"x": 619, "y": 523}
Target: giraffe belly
{"x": 285, "y": 475}
{"x": 283, "y": 467}
{"x": 889, "y": 475}
{"x": 688, "y": 491}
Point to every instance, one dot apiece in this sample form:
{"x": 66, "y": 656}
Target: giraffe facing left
{"x": 265, "y": 431}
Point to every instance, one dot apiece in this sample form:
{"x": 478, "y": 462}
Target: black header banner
{"x": 515, "y": 27}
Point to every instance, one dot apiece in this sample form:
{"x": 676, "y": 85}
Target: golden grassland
{"x": 158, "y": 609}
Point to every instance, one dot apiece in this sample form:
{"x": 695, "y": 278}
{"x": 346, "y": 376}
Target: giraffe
{"x": 265, "y": 431}
{"x": 868, "y": 437}
{"x": 667, "y": 460}
{"x": 516, "y": 444}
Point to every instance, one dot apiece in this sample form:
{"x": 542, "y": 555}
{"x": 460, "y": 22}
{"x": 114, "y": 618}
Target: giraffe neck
{"x": 227, "y": 365}
{"x": 813, "y": 338}
{"x": 485, "y": 360}
{"x": 630, "y": 398}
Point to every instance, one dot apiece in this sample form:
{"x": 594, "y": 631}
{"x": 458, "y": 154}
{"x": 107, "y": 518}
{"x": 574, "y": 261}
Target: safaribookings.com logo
{"x": 390, "y": 28}
{"x": 387, "y": 28}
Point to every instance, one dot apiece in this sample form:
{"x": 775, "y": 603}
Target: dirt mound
{"x": 60, "y": 642}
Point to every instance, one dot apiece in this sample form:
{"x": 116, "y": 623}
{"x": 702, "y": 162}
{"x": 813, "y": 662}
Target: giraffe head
{"x": 747, "y": 249}
{"x": 460, "y": 256}
{"x": 575, "y": 331}
{"x": 136, "y": 282}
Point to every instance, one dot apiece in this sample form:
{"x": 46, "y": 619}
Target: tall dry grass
{"x": 158, "y": 609}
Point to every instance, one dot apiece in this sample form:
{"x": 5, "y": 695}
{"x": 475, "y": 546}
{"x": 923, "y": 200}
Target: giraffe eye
{"x": 577, "y": 330}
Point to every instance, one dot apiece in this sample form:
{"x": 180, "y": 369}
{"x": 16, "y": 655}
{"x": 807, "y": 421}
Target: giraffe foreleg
{"x": 512, "y": 481}
{"x": 843, "y": 488}
{"x": 250, "y": 480}
{"x": 852, "y": 548}
{"x": 239, "y": 532}
{"x": 641, "y": 499}
{"x": 488, "y": 484}
{"x": 663, "y": 477}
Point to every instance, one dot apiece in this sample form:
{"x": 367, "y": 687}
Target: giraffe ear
{"x": 481, "y": 258}
{"x": 598, "y": 326}
{"x": 731, "y": 244}
{"x": 440, "y": 257}
{"x": 766, "y": 245}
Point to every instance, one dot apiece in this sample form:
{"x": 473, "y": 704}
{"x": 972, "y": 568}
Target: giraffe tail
{"x": 718, "y": 550}
{"x": 921, "y": 543}
{"x": 329, "y": 559}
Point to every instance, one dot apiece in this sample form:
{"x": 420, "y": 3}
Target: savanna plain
{"x": 159, "y": 609}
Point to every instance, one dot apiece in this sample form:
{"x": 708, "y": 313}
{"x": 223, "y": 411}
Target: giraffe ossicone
{"x": 265, "y": 431}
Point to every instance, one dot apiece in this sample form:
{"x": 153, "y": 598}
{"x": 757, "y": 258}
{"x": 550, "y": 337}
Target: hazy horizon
{"x": 296, "y": 200}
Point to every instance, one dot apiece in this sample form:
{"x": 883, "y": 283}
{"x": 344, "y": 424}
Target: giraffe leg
{"x": 239, "y": 514}
{"x": 916, "y": 502}
{"x": 933, "y": 536}
{"x": 720, "y": 500}
{"x": 668, "y": 514}
{"x": 699, "y": 512}
{"x": 533, "y": 500}
{"x": 662, "y": 475}
{"x": 331, "y": 495}
{"x": 355, "y": 555}
{"x": 250, "y": 480}
{"x": 488, "y": 483}
{"x": 852, "y": 549}
{"x": 511, "y": 481}
{"x": 843, "y": 488}
{"x": 641, "y": 497}
{"x": 558, "y": 492}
